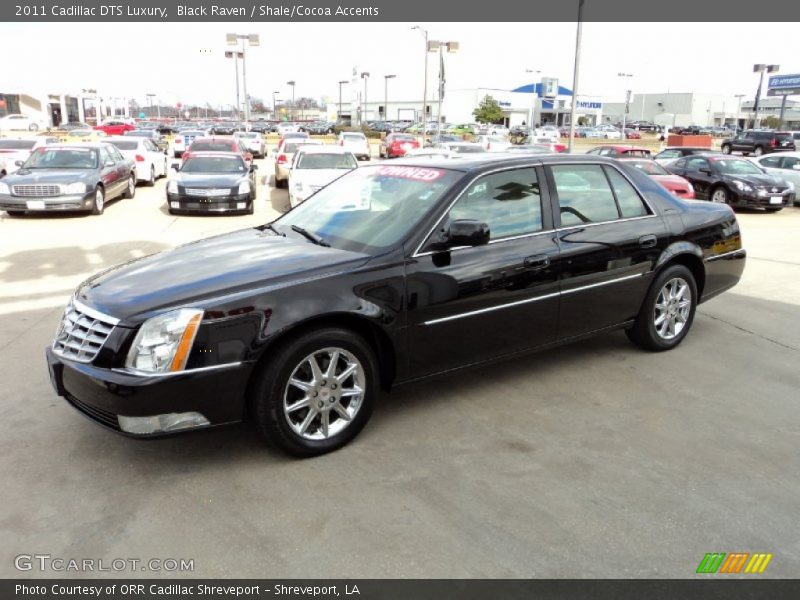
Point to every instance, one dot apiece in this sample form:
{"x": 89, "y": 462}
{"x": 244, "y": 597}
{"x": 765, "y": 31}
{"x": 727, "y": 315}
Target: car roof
{"x": 480, "y": 162}
{"x": 94, "y": 145}
{"x": 124, "y": 138}
{"x": 323, "y": 149}
{"x": 214, "y": 153}
{"x": 215, "y": 138}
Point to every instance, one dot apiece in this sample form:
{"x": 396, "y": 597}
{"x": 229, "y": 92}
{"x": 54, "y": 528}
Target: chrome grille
{"x": 36, "y": 191}
{"x": 82, "y": 333}
{"x": 208, "y": 192}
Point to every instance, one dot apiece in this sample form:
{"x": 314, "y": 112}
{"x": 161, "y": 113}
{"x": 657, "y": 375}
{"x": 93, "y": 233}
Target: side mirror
{"x": 18, "y": 163}
{"x": 176, "y": 166}
{"x": 463, "y": 232}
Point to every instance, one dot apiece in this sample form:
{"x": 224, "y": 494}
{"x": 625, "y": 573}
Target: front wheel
{"x": 667, "y": 311}
{"x": 758, "y": 151}
{"x": 720, "y": 195}
{"x": 99, "y": 201}
{"x": 33, "y": 127}
{"x": 317, "y": 393}
{"x": 726, "y": 149}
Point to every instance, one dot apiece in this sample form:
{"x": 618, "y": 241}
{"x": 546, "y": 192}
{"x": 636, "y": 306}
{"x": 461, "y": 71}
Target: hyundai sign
{"x": 784, "y": 85}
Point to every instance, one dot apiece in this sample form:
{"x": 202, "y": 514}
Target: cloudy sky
{"x": 185, "y": 62}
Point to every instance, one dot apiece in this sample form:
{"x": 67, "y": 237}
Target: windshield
{"x": 213, "y": 147}
{"x": 736, "y": 167}
{"x": 326, "y": 161}
{"x": 371, "y": 207}
{"x": 17, "y": 144}
{"x": 648, "y": 166}
{"x": 125, "y": 145}
{"x": 62, "y": 158}
{"x": 214, "y": 164}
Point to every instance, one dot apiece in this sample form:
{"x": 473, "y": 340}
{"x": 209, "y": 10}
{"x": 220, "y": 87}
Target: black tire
{"x": 723, "y": 195}
{"x": 99, "y": 201}
{"x": 773, "y": 209}
{"x": 251, "y": 207}
{"x": 166, "y": 169}
{"x": 152, "y": 181}
{"x": 643, "y": 333}
{"x": 270, "y": 381}
{"x": 726, "y": 148}
{"x": 130, "y": 188}
{"x": 759, "y": 151}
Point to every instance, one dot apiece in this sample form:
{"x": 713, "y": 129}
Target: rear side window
{"x": 669, "y": 154}
{"x": 584, "y": 194}
{"x": 630, "y": 204}
{"x": 509, "y": 202}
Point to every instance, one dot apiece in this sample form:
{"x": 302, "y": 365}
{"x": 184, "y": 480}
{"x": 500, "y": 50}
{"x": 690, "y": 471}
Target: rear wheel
{"x": 726, "y": 148}
{"x": 152, "y": 181}
{"x": 667, "y": 312}
{"x": 758, "y": 151}
{"x": 33, "y": 127}
{"x": 317, "y": 393}
{"x": 99, "y": 201}
{"x": 130, "y": 188}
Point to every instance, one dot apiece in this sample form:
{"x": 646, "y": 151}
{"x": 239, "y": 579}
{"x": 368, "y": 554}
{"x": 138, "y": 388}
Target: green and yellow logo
{"x": 735, "y": 562}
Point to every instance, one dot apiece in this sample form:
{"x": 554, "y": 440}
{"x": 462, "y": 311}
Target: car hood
{"x": 763, "y": 179}
{"x": 316, "y": 176}
{"x": 202, "y": 180}
{"x": 44, "y": 176}
{"x": 200, "y": 272}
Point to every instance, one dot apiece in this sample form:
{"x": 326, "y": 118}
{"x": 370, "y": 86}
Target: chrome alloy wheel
{"x": 672, "y": 309}
{"x": 324, "y": 393}
{"x": 719, "y": 196}
{"x": 99, "y": 199}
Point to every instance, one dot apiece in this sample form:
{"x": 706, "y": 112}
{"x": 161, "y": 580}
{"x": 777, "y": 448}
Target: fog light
{"x": 173, "y": 205}
{"x": 241, "y": 205}
{"x": 162, "y": 423}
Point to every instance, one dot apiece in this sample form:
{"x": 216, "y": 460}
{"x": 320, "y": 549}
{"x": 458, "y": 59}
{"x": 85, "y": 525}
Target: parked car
{"x": 675, "y": 184}
{"x": 16, "y": 150}
{"x": 150, "y": 161}
{"x": 606, "y": 132}
{"x": 632, "y": 134}
{"x": 494, "y": 143}
{"x": 648, "y": 126}
{"x": 759, "y": 142}
{"x": 785, "y": 165}
{"x": 734, "y": 181}
{"x": 253, "y": 142}
{"x": 219, "y": 144}
{"x": 19, "y": 122}
{"x": 60, "y": 177}
{"x": 85, "y": 135}
{"x": 356, "y": 142}
{"x": 314, "y": 167}
{"x": 212, "y": 182}
{"x": 223, "y": 128}
{"x": 397, "y": 144}
{"x": 548, "y": 132}
{"x": 530, "y": 149}
{"x": 284, "y": 128}
{"x": 388, "y": 274}
{"x": 617, "y": 151}
{"x": 317, "y": 127}
{"x": 669, "y": 155}
{"x": 73, "y": 125}
{"x": 184, "y": 138}
{"x": 150, "y": 134}
{"x": 435, "y": 140}
{"x": 458, "y": 148}
{"x": 114, "y": 127}
{"x": 284, "y": 155}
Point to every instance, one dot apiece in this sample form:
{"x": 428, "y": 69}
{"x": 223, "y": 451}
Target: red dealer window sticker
{"x": 416, "y": 173}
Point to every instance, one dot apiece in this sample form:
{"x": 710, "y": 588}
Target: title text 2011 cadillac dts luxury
{"x": 389, "y": 274}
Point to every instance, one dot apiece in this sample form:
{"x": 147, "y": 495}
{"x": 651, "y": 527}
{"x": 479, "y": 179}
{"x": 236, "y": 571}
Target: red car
{"x": 114, "y": 127}
{"x": 219, "y": 144}
{"x": 632, "y": 134}
{"x": 674, "y": 183}
{"x": 621, "y": 151}
{"x": 397, "y": 144}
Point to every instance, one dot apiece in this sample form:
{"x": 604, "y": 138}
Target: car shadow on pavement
{"x": 279, "y": 199}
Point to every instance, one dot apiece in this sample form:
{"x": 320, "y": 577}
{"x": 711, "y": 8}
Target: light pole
{"x": 252, "y": 39}
{"x": 274, "y": 104}
{"x": 760, "y": 68}
{"x": 576, "y": 69}
{"x": 150, "y": 100}
{"x": 365, "y": 77}
{"x": 532, "y": 110}
{"x": 437, "y": 46}
{"x": 341, "y": 83}
{"x": 291, "y": 83}
{"x": 425, "y": 85}
{"x": 627, "y": 103}
{"x": 386, "y": 79}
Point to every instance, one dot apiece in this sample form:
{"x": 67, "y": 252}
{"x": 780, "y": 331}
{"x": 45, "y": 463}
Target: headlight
{"x": 244, "y": 187}
{"x": 78, "y": 187}
{"x": 743, "y": 186}
{"x": 163, "y": 343}
{"x": 172, "y": 187}
{"x": 4, "y": 188}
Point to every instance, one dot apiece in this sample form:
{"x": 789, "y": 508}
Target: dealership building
{"x": 57, "y": 108}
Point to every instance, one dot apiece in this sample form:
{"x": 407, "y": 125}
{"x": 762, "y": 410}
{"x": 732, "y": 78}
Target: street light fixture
{"x": 150, "y": 98}
{"x": 386, "y": 79}
{"x": 249, "y": 39}
{"x": 532, "y": 110}
{"x": 424, "y": 32}
{"x": 291, "y": 83}
{"x": 575, "y": 73}
{"x": 627, "y": 103}
{"x": 434, "y": 46}
{"x": 760, "y": 68}
{"x": 274, "y": 103}
{"x": 341, "y": 83}
{"x": 365, "y": 77}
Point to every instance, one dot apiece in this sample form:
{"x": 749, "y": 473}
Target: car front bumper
{"x": 52, "y": 203}
{"x": 201, "y": 204}
{"x": 104, "y": 395}
{"x": 758, "y": 201}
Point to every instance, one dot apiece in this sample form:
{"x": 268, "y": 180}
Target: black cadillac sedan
{"x": 60, "y": 177}
{"x": 389, "y": 274}
{"x": 735, "y": 181}
{"x": 212, "y": 182}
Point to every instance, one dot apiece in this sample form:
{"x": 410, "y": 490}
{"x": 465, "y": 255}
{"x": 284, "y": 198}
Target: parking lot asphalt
{"x": 591, "y": 460}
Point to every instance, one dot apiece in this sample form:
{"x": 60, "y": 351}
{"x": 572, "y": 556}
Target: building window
{"x": 9, "y": 104}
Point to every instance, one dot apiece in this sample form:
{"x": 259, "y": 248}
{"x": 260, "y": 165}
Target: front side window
{"x": 669, "y": 154}
{"x": 584, "y": 194}
{"x": 772, "y": 161}
{"x": 509, "y": 202}
{"x": 695, "y": 164}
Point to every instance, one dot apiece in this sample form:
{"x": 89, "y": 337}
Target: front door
{"x": 469, "y": 304}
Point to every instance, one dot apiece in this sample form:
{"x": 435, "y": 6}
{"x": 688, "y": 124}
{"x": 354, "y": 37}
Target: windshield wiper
{"x": 311, "y": 236}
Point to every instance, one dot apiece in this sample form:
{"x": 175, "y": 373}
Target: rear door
{"x": 698, "y": 172}
{"x": 609, "y": 240}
